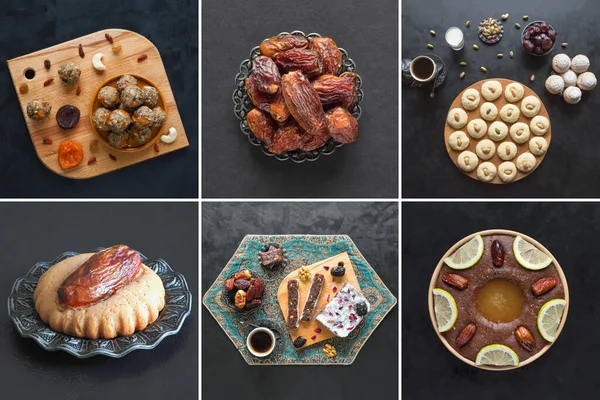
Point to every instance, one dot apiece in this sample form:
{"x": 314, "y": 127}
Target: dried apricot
{"x": 329, "y": 52}
{"x": 303, "y": 103}
{"x": 306, "y": 61}
{"x": 279, "y": 43}
{"x": 70, "y": 154}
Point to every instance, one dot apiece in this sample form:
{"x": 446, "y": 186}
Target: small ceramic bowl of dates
{"x": 244, "y": 290}
{"x": 538, "y": 38}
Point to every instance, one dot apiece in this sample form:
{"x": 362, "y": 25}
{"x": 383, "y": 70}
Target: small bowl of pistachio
{"x": 490, "y": 30}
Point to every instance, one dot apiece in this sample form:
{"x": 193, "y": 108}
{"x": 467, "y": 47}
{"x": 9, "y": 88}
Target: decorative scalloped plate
{"x": 300, "y": 250}
{"x": 178, "y": 305}
{"x": 242, "y": 105}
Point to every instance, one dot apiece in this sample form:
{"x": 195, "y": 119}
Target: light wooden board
{"x": 499, "y": 103}
{"x": 59, "y": 94}
{"x": 307, "y": 329}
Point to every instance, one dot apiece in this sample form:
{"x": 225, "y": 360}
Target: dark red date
{"x": 261, "y": 125}
{"x": 288, "y": 137}
{"x": 306, "y": 61}
{"x": 261, "y": 100}
{"x": 266, "y": 74}
{"x": 303, "y": 103}
{"x": 497, "y": 253}
{"x": 342, "y": 125}
{"x": 337, "y": 90}
{"x": 278, "y": 108}
{"x": 279, "y": 43}
{"x": 329, "y": 52}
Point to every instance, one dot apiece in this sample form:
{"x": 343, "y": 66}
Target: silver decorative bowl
{"x": 242, "y": 105}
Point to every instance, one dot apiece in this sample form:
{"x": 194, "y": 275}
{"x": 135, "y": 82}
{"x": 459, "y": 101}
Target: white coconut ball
{"x": 580, "y": 63}
{"x": 586, "y": 81}
{"x": 561, "y": 63}
{"x": 570, "y": 78}
{"x": 555, "y": 84}
{"x": 572, "y": 95}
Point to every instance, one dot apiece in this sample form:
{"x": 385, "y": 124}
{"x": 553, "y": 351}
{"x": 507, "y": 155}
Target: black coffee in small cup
{"x": 422, "y": 68}
{"x": 261, "y": 342}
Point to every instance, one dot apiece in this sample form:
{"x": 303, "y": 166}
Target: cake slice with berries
{"x": 345, "y": 311}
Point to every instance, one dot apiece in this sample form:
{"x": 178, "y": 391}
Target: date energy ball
{"x": 100, "y": 119}
{"x": 118, "y": 140}
{"x": 141, "y": 135}
{"x": 160, "y": 116}
{"x": 38, "y": 110}
{"x": 69, "y": 73}
{"x": 119, "y": 121}
{"x": 150, "y": 96}
{"x": 124, "y": 81}
{"x": 132, "y": 97}
{"x": 143, "y": 117}
{"x": 109, "y": 97}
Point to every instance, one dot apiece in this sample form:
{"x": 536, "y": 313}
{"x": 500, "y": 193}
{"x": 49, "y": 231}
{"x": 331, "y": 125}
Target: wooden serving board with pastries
{"x": 313, "y": 331}
{"x": 137, "y": 55}
{"x": 504, "y": 149}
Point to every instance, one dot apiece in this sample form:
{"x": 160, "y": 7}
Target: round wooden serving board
{"x": 499, "y": 103}
{"x": 307, "y": 329}
{"x": 59, "y": 94}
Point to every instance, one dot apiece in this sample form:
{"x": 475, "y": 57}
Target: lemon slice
{"x": 445, "y": 309}
{"x": 549, "y": 318}
{"x": 467, "y": 255}
{"x": 529, "y": 256}
{"x": 497, "y": 355}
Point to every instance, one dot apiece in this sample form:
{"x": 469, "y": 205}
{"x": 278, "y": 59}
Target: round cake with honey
{"x": 498, "y": 295}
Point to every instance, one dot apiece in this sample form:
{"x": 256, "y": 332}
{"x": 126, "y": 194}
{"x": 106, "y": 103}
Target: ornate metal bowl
{"x": 178, "y": 305}
{"x": 242, "y": 104}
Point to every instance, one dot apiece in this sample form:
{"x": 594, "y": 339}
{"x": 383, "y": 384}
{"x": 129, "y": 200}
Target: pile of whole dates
{"x": 247, "y": 291}
{"x": 301, "y": 100}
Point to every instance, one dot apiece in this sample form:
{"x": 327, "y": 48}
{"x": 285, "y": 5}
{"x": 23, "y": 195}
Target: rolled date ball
{"x": 160, "y": 116}
{"x": 132, "y": 97}
{"x": 109, "y": 97}
{"x": 150, "y": 96}
{"x": 143, "y": 117}
{"x": 118, "y": 140}
{"x": 100, "y": 119}
{"x": 119, "y": 121}
{"x": 38, "y": 109}
{"x": 141, "y": 135}
{"x": 124, "y": 81}
{"x": 69, "y": 73}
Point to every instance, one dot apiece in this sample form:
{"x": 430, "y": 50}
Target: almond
{"x": 543, "y": 285}
{"x": 466, "y": 335}
{"x": 525, "y": 339}
{"x": 455, "y": 280}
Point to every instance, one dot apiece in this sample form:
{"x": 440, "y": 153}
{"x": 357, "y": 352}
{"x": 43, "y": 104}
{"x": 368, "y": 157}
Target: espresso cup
{"x": 256, "y": 347}
{"x": 421, "y": 64}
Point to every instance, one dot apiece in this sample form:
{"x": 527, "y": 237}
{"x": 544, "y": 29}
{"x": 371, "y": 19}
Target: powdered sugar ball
{"x": 554, "y": 84}
{"x": 580, "y": 63}
{"x": 572, "y": 95}
{"x": 561, "y": 63}
{"x": 586, "y": 81}
{"x": 570, "y": 78}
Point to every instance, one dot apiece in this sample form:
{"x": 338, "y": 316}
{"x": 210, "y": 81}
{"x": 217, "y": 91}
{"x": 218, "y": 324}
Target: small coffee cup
{"x": 423, "y": 68}
{"x": 260, "y": 342}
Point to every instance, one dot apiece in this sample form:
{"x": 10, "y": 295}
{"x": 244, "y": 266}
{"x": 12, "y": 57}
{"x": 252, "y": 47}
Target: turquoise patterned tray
{"x": 299, "y": 250}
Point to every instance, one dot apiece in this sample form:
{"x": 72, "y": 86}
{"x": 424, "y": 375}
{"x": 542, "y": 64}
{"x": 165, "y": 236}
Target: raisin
{"x": 314, "y": 142}
{"x": 299, "y": 342}
{"x": 329, "y": 53}
{"x": 337, "y": 90}
{"x": 266, "y": 74}
{"x": 261, "y": 100}
{"x": 278, "y": 108}
{"x": 342, "y": 126}
{"x": 279, "y": 43}
{"x": 288, "y": 137}
{"x": 306, "y": 61}
{"x": 497, "y": 253}
{"x": 303, "y": 103}
{"x": 67, "y": 116}
{"x": 338, "y": 271}
{"x": 261, "y": 125}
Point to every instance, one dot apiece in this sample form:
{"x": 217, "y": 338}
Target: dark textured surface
{"x": 569, "y": 232}
{"x": 232, "y": 167}
{"x": 30, "y": 25}
{"x": 571, "y": 162}
{"x": 40, "y": 232}
{"x": 374, "y": 229}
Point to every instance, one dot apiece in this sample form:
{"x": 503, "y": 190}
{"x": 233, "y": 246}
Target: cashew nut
{"x": 170, "y": 137}
{"x": 97, "y": 62}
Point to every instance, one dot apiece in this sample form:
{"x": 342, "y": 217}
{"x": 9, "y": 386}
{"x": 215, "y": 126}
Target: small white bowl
{"x": 268, "y": 332}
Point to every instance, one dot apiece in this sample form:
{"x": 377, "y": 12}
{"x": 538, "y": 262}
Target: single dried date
{"x": 100, "y": 277}
{"x": 337, "y": 90}
{"x": 342, "y": 126}
{"x": 314, "y": 142}
{"x": 497, "y": 253}
{"x": 306, "y": 61}
{"x": 261, "y": 100}
{"x": 266, "y": 74}
{"x": 278, "y": 108}
{"x": 288, "y": 137}
{"x": 303, "y": 103}
{"x": 279, "y": 43}
{"x": 329, "y": 53}
{"x": 261, "y": 125}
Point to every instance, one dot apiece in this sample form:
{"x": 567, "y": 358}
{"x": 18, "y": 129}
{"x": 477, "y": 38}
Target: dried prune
{"x": 261, "y": 100}
{"x": 306, "y": 61}
{"x": 337, "y": 90}
{"x": 314, "y": 142}
{"x": 266, "y": 74}
{"x": 303, "y": 103}
{"x": 67, "y": 116}
{"x": 299, "y": 342}
{"x": 342, "y": 126}
{"x": 330, "y": 54}
{"x": 361, "y": 309}
{"x": 340, "y": 270}
{"x": 261, "y": 125}
{"x": 288, "y": 137}
{"x": 279, "y": 43}
{"x": 278, "y": 108}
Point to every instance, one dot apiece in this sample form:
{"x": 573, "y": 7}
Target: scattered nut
{"x": 504, "y": 17}
{"x": 532, "y": 79}
{"x": 432, "y": 32}
{"x": 525, "y": 17}
{"x": 483, "y": 69}
{"x": 463, "y": 64}
{"x": 471, "y": 97}
{"x": 468, "y": 24}
{"x": 518, "y": 26}
{"x": 304, "y": 273}
{"x": 23, "y": 88}
{"x": 430, "y": 45}
{"x": 500, "y": 55}
{"x": 462, "y": 75}
{"x": 530, "y": 106}
{"x": 329, "y": 350}
{"x": 564, "y": 44}
{"x": 476, "y": 47}
{"x": 456, "y": 117}
{"x": 170, "y": 137}
{"x": 97, "y": 62}
{"x": 512, "y": 54}
{"x": 117, "y": 49}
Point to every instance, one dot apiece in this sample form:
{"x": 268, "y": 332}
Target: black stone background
{"x": 233, "y": 168}
{"x": 570, "y": 232}
{"x": 33, "y": 232}
{"x": 570, "y": 167}
{"x": 31, "y": 25}
{"x": 374, "y": 229}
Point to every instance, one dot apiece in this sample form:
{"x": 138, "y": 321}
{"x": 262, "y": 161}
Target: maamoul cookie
{"x": 572, "y": 95}
{"x": 510, "y": 113}
{"x": 498, "y": 131}
{"x": 467, "y": 161}
{"x": 539, "y": 125}
{"x": 491, "y": 90}
{"x": 519, "y": 132}
{"x": 526, "y": 162}
{"x": 470, "y": 99}
{"x": 555, "y": 84}
{"x": 457, "y": 118}
{"x": 580, "y": 64}
{"x": 507, "y": 171}
{"x": 561, "y": 63}
{"x": 486, "y": 171}
{"x": 570, "y": 78}
{"x": 485, "y": 149}
{"x": 530, "y": 106}
{"x": 488, "y": 111}
{"x": 458, "y": 141}
{"x": 538, "y": 145}
{"x": 586, "y": 81}
{"x": 514, "y": 92}
{"x": 507, "y": 151}
{"x": 477, "y": 128}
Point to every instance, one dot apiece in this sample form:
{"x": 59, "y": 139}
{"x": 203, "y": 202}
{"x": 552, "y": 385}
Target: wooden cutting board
{"x": 59, "y": 94}
{"x": 307, "y": 329}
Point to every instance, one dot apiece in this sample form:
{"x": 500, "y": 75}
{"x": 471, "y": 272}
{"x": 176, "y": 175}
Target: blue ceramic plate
{"x": 178, "y": 305}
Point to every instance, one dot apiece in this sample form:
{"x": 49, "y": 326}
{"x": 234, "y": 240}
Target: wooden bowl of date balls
{"x": 127, "y": 113}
